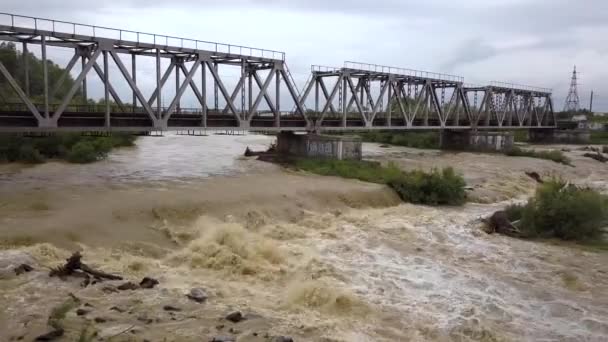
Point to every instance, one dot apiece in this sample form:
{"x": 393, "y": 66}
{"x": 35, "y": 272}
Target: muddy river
{"x": 309, "y": 257}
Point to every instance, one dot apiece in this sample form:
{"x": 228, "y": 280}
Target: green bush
{"x": 83, "y": 152}
{"x": 73, "y": 147}
{"x": 563, "y": 211}
{"x": 599, "y": 137}
{"x": 553, "y": 155}
{"x": 28, "y": 154}
{"x": 443, "y": 187}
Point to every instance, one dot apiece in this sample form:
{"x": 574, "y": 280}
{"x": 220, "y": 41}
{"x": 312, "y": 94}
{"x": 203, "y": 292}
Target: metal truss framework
{"x": 368, "y": 96}
{"x": 506, "y": 105}
{"x": 96, "y": 54}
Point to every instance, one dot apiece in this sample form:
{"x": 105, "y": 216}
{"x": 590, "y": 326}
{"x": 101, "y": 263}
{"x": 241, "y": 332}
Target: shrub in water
{"x": 28, "y": 154}
{"x": 443, "y": 187}
{"x": 83, "y": 152}
{"x": 564, "y": 211}
{"x": 437, "y": 187}
{"x": 554, "y": 155}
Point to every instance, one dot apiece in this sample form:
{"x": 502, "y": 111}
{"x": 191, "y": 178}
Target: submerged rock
{"x": 224, "y": 339}
{"x": 82, "y": 312}
{"x": 128, "y": 286}
{"x": 282, "y": 339}
{"x": 23, "y": 268}
{"x": 235, "y": 317}
{"x": 171, "y": 308}
{"x": 148, "y": 283}
{"x": 51, "y": 336}
{"x": 198, "y": 295}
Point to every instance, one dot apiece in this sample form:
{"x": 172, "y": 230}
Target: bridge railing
{"x": 75, "y": 29}
{"x": 323, "y": 68}
{"x": 402, "y": 71}
{"x": 520, "y": 87}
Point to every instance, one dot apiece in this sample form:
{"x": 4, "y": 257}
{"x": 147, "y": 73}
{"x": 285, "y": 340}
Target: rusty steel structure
{"x": 356, "y": 96}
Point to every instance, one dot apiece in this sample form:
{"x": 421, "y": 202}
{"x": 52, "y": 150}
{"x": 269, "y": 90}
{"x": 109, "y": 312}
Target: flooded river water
{"x": 314, "y": 258}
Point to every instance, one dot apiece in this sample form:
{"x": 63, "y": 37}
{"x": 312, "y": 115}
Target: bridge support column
{"x": 560, "y": 136}
{"x": 468, "y": 140}
{"x": 319, "y": 146}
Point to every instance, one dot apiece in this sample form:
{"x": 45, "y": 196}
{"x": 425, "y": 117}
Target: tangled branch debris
{"x": 76, "y": 268}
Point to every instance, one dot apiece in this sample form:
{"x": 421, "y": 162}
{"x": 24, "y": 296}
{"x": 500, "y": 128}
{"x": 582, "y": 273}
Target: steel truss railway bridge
{"x": 355, "y": 96}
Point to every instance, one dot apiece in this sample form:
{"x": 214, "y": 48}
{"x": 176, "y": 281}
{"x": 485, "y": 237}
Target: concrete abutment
{"x": 319, "y": 146}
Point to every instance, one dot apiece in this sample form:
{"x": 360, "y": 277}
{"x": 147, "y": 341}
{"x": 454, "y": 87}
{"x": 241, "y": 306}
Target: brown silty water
{"x": 314, "y": 258}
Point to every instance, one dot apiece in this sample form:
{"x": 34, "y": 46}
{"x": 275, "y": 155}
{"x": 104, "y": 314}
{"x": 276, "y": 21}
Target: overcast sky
{"x": 534, "y": 42}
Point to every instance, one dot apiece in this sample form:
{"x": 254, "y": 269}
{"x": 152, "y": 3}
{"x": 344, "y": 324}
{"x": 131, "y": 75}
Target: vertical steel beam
{"x": 45, "y": 77}
{"x": 216, "y": 86}
{"x": 177, "y": 85}
{"x": 344, "y": 99}
{"x": 159, "y": 86}
{"x": 389, "y": 108}
{"x": 316, "y": 95}
{"x": 204, "y": 93}
{"x": 163, "y": 80}
{"x": 250, "y": 90}
{"x": 84, "y": 82}
{"x": 106, "y": 83}
{"x": 277, "y": 99}
{"x": 26, "y": 69}
{"x": 134, "y": 76}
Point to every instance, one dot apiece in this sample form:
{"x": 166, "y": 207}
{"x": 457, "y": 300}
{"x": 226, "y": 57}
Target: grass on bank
{"x": 563, "y": 211}
{"x": 73, "y": 147}
{"x": 437, "y": 187}
{"x": 553, "y": 155}
{"x": 423, "y": 140}
{"x": 599, "y": 137}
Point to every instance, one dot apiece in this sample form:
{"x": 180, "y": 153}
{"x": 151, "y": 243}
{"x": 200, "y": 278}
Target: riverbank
{"x": 311, "y": 257}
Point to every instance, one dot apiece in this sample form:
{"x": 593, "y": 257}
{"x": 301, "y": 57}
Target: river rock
{"x": 10, "y": 260}
{"x": 82, "y": 312}
{"x": 50, "y": 336}
{"x": 23, "y": 268}
{"x": 282, "y": 339}
{"x": 128, "y": 286}
{"x": 223, "y": 339}
{"x": 148, "y": 283}
{"x": 235, "y": 317}
{"x": 171, "y": 308}
{"x": 198, "y": 295}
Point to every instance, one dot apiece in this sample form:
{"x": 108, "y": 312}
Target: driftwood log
{"x": 534, "y": 175}
{"x": 76, "y": 268}
{"x": 499, "y": 223}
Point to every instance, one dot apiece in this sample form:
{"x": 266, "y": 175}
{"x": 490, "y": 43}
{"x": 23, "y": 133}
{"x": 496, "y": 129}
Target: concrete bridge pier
{"x": 469, "y": 140}
{"x": 319, "y": 146}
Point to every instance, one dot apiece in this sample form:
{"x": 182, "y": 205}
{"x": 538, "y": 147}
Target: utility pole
{"x": 591, "y": 103}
